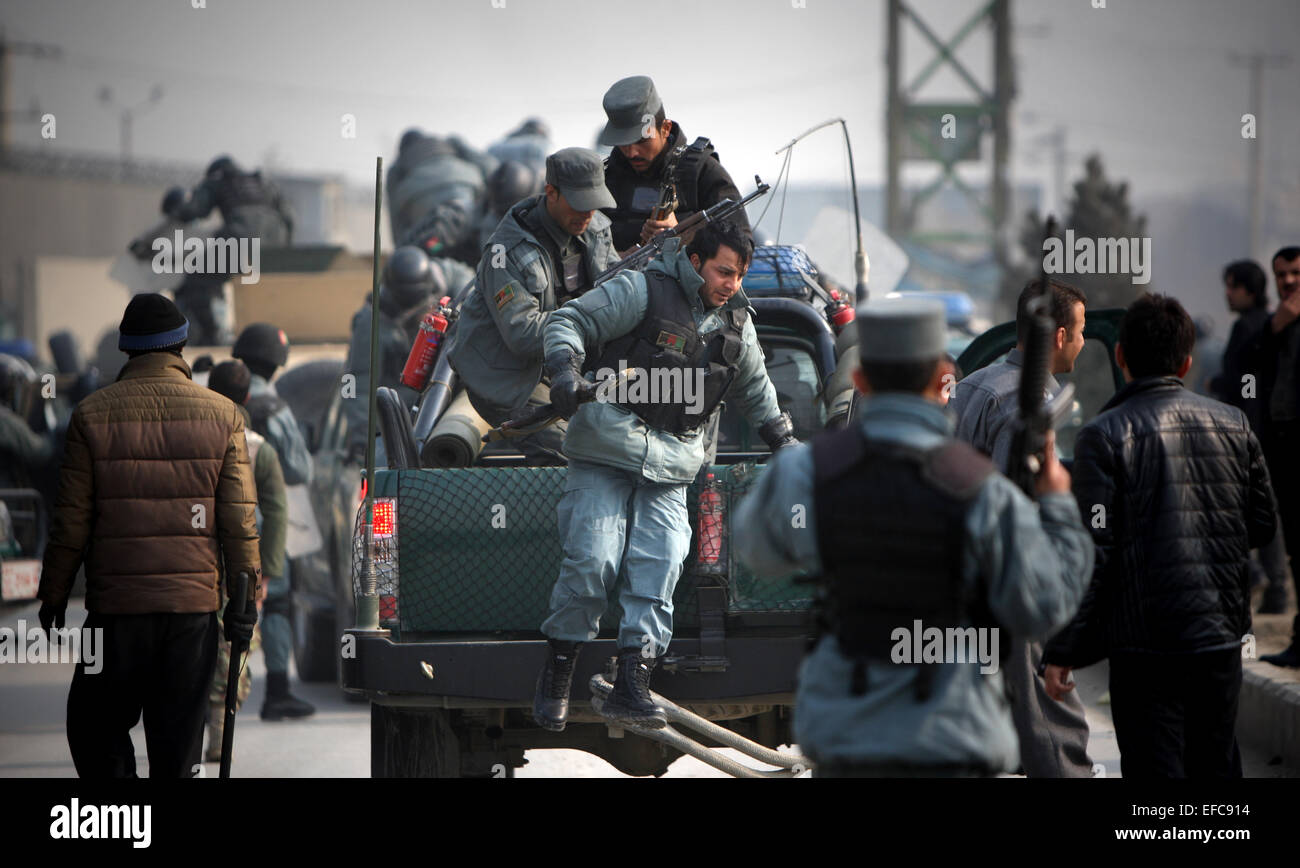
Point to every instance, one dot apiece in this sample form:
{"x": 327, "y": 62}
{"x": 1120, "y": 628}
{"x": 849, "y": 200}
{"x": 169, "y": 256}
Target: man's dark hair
{"x": 1247, "y": 274}
{"x": 1157, "y": 336}
{"x": 910, "y": 377}
{"x": 1061, "y": 307}
{"x": 706, "y": 242}
{"x": 1286, "y": 254}
{"x": 660, "y": 117}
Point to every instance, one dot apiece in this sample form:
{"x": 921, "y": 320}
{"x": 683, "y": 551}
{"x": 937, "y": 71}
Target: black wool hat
{"x": 230, "y": 379}
{"x": 152, "y": 322}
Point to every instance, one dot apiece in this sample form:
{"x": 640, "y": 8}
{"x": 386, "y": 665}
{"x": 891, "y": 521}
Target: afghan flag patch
{"x": 670, "y": 341}
{"x": 504, "y": 295}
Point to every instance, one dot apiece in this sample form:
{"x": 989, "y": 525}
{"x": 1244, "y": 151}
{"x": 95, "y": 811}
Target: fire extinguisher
{"x": 709, "y": 552}
{"x": 839, "y": 311}
{"x": 424, "y": 352}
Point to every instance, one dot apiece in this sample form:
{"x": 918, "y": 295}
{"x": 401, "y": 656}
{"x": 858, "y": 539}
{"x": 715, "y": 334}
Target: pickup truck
{"x": 467, "y": 558}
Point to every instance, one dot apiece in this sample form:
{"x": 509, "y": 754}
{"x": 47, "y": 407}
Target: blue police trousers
{"x": 615, "y": 524}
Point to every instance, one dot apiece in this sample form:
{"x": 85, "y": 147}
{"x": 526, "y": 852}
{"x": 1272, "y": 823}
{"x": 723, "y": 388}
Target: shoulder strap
{"x": 692, "y": 161}
{"x": 261, "y": 408}
{"x": 834, "y": 452}
{"x": 958, "y": 468}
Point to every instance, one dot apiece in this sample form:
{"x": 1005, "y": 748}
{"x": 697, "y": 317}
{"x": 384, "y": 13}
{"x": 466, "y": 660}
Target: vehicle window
{"x": 798, "y": 390}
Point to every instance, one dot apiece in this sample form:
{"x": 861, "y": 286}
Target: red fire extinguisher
{"x": 433, "y": 328}
{"x": 839, "y": 311}
{"x": 709, "y": 551}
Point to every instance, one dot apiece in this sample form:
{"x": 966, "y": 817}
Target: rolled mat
{"x": 457, "y": 438}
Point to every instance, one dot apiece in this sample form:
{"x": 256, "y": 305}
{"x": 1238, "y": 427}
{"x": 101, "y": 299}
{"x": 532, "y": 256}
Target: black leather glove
{"x": 778, "y": 433}
{"x": 238, "y": 623}
{"x": 52, "y": 616}
{"x": 569, "y": 389}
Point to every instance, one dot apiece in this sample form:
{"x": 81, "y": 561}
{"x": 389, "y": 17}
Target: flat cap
{"x": 630, "y": 105}
{"x": 901, "y": 330}
{"x": 579, "y": 174}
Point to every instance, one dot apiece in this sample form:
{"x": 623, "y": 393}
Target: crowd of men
{"x": 1140, "y": 554}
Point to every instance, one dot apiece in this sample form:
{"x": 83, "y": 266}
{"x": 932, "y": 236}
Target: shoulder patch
{"x": 505, "y": 295}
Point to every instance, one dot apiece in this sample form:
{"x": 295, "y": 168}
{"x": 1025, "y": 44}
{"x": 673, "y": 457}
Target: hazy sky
{"x": 1146, "y": 82}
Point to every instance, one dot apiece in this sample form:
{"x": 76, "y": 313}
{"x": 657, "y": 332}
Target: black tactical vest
{"x": 666, "y": 348}
{"x": 637, "y": 195}
{"x": 890, "y": 529}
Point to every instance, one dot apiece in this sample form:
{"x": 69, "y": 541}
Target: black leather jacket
{"x": 1176, "y": 492}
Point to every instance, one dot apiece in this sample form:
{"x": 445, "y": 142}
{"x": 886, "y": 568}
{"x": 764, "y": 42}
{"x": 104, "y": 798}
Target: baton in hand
{"x": 530, "y": 420}
{"x": 232, "y": 679}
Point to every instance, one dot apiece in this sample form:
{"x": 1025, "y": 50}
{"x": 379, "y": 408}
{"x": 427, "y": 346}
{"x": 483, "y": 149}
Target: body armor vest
{"x": 666, "y": 348}
{"x": 890, "y": 529}
{"x": 637, "y": 195}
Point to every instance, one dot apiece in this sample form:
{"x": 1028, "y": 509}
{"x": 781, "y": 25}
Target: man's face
{"x": 1071, "y": 340}
{"x": 570, "y": 220}
{"x": 722, "y": 275}
{"x": 1239, "y": 299}
{"x": 1287, "y": 275}
{"x": 641, "y": 154}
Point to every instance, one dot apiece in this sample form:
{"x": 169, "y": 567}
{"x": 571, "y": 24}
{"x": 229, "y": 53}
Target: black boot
{"x": 630, "y": 701}
{"x": 1274, "y": 602}
{"x": 279, "y": 702}
{"x": 1289, "y": 658}
{"x": 551, "y": 701}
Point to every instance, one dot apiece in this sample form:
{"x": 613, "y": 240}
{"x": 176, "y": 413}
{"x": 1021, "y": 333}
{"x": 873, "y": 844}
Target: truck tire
{"x": 412, "y": 743}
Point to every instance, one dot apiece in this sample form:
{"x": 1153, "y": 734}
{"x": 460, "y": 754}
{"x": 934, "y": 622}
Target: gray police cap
{"x": 579, "y": 174}
{"x": 627, "y": 105}
{"x": 901, "y": 330}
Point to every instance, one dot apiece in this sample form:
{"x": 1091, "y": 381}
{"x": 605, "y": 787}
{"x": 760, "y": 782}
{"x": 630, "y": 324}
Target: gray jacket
{"x": 498, "y": 346}
{"x": 986, "y": 404}
{"x": 605, "y": 433}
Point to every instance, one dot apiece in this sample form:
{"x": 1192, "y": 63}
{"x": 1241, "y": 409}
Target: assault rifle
{"x": 637, "y": 259}
{"x": 1038, "y": 415}
{"x": 667, "y": 203}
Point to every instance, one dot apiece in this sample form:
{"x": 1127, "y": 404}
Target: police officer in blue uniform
{"x": 633, "y": 452}
{"x": 909, "y": 530}
{"x": 547, "y": 249}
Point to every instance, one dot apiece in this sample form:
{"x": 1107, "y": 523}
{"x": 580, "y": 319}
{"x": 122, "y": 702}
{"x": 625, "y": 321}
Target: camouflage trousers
{"x": 217, "y": 692}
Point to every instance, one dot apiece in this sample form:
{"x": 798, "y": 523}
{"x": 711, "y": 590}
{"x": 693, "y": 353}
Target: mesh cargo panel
{"x": 479, "y": 551}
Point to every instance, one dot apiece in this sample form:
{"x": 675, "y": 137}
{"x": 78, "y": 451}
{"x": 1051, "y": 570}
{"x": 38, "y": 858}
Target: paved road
{"x": 336, "y": 741}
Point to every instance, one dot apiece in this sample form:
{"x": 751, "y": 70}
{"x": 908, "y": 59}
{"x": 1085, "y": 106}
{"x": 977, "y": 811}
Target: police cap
{"x": 579, "y": 175}
{"x": 627, "y": 105}
{"x": 901, "y": 330}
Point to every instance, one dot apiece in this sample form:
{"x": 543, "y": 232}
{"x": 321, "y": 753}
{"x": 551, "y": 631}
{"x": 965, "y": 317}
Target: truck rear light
{"x": 385, "y": 517}
{"x": 387, "y": 608}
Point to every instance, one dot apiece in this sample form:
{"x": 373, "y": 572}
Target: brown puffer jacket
{"x": 155, "y": 485}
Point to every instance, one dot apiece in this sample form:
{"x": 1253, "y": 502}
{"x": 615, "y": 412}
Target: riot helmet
{"x": 221, "y": 166}
{"x": 263, "y": 347}
{"x": 408, "y": 280}
{"x": 508, "y": 183}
